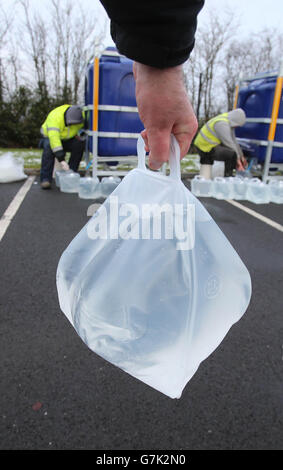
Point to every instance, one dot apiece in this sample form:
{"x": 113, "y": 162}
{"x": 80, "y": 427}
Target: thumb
{"x": 159, "y": 146}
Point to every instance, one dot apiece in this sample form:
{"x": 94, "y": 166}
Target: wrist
{"x": 156, "y": 81}
{"x": 147, "y": 71}
{"x": 60, "y": 155}
{"x": 150, "y": 68}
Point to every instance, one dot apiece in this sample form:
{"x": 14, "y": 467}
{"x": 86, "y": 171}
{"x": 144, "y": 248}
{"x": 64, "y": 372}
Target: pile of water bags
{"x": 237, "y": 187}
{"x": 87, "y": 187}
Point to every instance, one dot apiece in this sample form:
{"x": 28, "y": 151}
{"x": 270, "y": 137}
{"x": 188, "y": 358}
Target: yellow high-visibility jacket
{"x": 206, "y": 139}
{"x": 54, "y": 127}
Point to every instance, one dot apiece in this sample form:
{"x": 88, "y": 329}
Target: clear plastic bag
{"x": 89, "y": 188}
{"x": 201, "y": 186}
{"x": 59, "y": 173}
{"x": 258, "y": 192}
{"x": 151, "y": 283}
{"x": 11, "y": 169}
{"x": 276, "y": 191}
{"x": 69, "y": 182}
{"x": 109, "y": 184}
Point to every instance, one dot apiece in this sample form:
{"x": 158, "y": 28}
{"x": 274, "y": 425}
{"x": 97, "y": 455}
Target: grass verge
{"x": 31, "y": 159}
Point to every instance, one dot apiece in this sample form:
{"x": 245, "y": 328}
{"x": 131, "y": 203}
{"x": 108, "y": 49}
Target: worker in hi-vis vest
{"x": 60, "y": 133}
{"x": 216, "y": 140}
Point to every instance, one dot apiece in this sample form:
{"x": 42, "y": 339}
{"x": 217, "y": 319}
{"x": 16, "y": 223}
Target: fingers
{"x": 184, "y": 140}
{"x": 158, "y": 144}
{"x": 144, "y": 136}
{"x": 65, "y": 166}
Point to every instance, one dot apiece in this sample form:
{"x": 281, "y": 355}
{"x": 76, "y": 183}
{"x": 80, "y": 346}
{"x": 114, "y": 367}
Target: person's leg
{"x": 205, "y": 157}
{"x": 47, "y": 162}
{"x": 226, "y": 155}
{"x": 205, "y": 164}
{"x": 76, "y": 147}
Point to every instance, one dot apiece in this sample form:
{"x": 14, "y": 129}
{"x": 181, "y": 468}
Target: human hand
{"x": 164, "y": 109}
{"x": 241, "y": 164}
{"x": 65, "y": 166}
{"x": 244, "y": 161}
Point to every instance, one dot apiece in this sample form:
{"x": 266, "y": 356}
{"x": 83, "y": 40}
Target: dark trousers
{"x": 222, "y": 154}
{"x": 75, "y": 146}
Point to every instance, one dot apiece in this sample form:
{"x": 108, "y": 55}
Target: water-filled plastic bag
{"x": 58, "y": 173}
{"x": 258, "y": 192}
{"x": 69, "y": 182}
{"x": 109, "y": 184}
{"x": 276, "y": 191}
{"x": 151, "y": 283}
{"x": 89, "y": 188}
{"x": 201, "y": 186}
{"x": 11, "y": 168}
{"x": 57, "y": 177}
{"x": 222, "y": 188}
{"x": 239, "y": 187}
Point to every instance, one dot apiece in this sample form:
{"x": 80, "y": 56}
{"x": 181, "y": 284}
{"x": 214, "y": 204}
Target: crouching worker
{"x": 60, "y": 135}
{"x": 216, "y": 141}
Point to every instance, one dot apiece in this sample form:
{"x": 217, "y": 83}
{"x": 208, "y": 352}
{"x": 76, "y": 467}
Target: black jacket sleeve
{"x": 159, "y": 33}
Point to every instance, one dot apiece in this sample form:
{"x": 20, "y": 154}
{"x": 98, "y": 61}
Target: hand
{"x": 65, "y": 165}
{"x": 164, "y": 108}
{"x": 244, "y": 161}
{"x": 82, "y": 135}
{"x": 241, "y": 164}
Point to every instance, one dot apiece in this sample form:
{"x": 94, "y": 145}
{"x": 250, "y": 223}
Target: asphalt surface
{"x": 57, "y": 394}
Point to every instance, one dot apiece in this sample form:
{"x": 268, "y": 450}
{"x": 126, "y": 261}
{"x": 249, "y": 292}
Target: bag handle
{"x": 174, "y": 158}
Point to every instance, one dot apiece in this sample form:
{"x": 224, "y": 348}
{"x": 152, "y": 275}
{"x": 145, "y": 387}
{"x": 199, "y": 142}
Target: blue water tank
{"x": 116, "y": 87}
{"x": 256, "y": 99}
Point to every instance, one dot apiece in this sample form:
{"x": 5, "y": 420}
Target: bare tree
{"x": 6, "y": 20}
{"x": 37, "y": 34}
{"x": 77, "y": 37}
{"x": 249, "y": 56}
{"x": 193, "y": 79}
{"x": 87, "y": 41}
{"x": 204, "y": 66}
{"x": 214, "y": 37}
{"x": 60, "y": 44}
{"x": 5, "y": 24}
{"x": 62, "y": 24}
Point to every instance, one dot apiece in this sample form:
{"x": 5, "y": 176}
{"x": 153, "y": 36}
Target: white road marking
{"x": 13, "y": 207}
{"x": 257, "y": 215}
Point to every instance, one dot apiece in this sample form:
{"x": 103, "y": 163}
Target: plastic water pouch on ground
{"x": 151, "y": 283}
{"x": 11, "y": 168}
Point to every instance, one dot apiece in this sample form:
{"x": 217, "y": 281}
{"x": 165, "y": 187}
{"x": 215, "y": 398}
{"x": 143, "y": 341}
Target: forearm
{"x": 56, "y": 145}
{"x": 225, "y": 134}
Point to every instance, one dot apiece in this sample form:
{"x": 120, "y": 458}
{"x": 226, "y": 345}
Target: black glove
{"x": 60, "y": 155}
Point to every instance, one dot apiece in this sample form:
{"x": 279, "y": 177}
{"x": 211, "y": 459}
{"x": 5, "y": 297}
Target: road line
{"x": 257, "y": 215}
{"x": 13, "y": 207}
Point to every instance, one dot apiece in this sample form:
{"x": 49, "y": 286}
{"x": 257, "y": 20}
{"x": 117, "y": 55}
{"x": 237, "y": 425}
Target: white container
{"x": 222, "y": 188}
{"x": 240, "y": 188}
{"x": 108, "y": 184}
{"x": 205, "y": 171}
{"x": 89, "y": 188}
{"x": 69, "y": 183}
{"x": 58, "y": 173}
{"x": 201, "y": 186}
{"x": 218, "y": 169}
{"x": 258, "y": 192}
{"x": 276, "y": 191}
